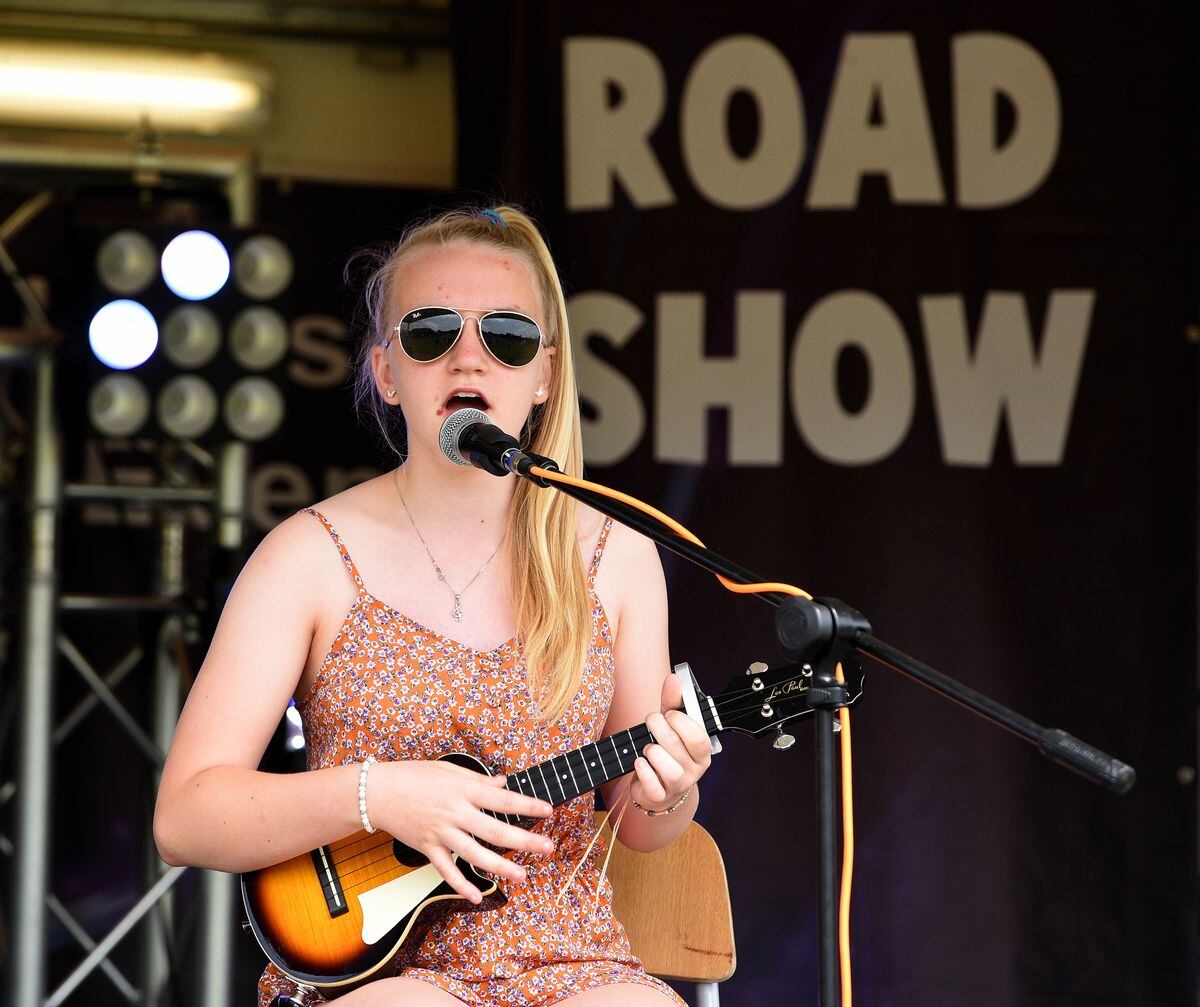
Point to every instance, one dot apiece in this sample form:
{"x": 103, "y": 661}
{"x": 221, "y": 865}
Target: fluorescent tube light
{"x": 119, "y": 86}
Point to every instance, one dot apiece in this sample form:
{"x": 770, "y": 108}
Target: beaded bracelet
{"x": 362, "y": 793}
{"x": 665, "y": 811}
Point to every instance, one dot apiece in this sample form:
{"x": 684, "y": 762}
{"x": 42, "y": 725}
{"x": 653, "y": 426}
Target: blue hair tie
{"x": 494, "y": 217}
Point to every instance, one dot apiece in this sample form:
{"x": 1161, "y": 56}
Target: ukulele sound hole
{"x": 406, "y": 855}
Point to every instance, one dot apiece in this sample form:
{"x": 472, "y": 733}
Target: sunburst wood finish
{"x": 326, "y": 919}
{"x": 307, "y": 914}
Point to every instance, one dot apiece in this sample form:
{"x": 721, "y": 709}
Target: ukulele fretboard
{"x": 565, "y": 777}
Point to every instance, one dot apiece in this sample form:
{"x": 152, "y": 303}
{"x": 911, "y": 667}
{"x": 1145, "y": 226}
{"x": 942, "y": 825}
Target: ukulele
{"x": 333, "y": 918}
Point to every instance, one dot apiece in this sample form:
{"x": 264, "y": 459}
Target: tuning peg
{"x": 783, "y": 742}
{"x": 757, "y": 668}
{"x": 806, "y": 671}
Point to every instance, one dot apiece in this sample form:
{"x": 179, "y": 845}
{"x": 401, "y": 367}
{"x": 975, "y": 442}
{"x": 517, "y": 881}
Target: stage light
{"x": 195, "y": 265}
{"x": 127, "y": 262}
{"x": 262, "y": 267}
{"x": 294, "y": 729}
{"x": 118, "y": 405}
{"x": 258, "y": 338}
{"x": 96, "y": 85}
{"x": 191, "y": 336}
{"x": 187, "y": 406}
{"x": 123, "y": 334}
{"x": 253, "y": 408}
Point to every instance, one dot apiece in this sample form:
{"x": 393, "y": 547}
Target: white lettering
{"x": 747, "y": 383}
{"x": 1004, "y": 376}
{"x": 852, "y": 318}
{"x": 750, "y": 64}
{"x": 607, "y": 141}
{"x": 620, "y": 419}
{"x": 987, "y": 65}
{"x": 876, "y": 70}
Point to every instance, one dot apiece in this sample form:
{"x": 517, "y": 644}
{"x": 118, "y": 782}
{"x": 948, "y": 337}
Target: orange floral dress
{"x": 394, "y": 689}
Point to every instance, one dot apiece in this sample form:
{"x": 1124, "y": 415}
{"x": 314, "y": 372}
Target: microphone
{"x": 468, "y": 437}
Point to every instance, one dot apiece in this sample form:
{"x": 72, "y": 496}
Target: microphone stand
{"x": 820, "y": 632}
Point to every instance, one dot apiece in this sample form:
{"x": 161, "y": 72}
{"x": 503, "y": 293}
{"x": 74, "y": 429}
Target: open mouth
{"x": 464, "y": 400}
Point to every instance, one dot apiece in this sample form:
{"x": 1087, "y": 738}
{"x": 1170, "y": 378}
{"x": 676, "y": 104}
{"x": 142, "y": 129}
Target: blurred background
{"x": 895, "y": 302}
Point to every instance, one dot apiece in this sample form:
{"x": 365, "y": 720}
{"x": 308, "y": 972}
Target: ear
{"x": 546, "y": 378}
{"x": 385, "y": 377}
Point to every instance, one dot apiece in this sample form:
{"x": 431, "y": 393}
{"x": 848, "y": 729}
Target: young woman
{"x": 517, "y": 626}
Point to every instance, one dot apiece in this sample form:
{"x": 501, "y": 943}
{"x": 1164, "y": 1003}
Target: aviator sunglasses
{"x": 428, "y": 333}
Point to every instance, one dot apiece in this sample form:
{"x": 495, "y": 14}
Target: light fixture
{"x": 127, "y": 262}
{"x": 195, "y": 265}
{"x": 295, "y": 728}
{"x": 253, "y": 408}
{"x": 55, "y": 84}
{"x": 258, "y": 338}
{"x": 187, "y": 407}
{"x": 123, "y": 334}
{"x": 118, "y": 405}
{"x": 191, "y": 336}
{"x": 262, "y": 267}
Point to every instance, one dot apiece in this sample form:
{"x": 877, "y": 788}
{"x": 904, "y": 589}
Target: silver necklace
{"x": 457, "y": 613}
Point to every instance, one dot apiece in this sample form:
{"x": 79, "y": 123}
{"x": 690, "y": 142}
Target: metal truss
{"x": 42, "y": 644}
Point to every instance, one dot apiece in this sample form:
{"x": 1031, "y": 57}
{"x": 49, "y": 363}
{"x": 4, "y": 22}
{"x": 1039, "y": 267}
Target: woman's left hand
{"x": 668, "y": 768}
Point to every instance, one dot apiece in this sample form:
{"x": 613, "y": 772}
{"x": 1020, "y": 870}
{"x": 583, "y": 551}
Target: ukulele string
{"x": 736, "y": 704}
{"x": 595, "y": 489}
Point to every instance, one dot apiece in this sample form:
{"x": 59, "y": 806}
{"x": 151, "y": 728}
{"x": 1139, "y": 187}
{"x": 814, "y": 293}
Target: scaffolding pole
{"x": 32, "y": 836}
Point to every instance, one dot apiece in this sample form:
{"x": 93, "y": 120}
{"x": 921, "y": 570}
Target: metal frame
{"x": 41, "y": 640}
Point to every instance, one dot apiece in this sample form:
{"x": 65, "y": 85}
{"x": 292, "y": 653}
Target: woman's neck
{"x": 447, "y": 500}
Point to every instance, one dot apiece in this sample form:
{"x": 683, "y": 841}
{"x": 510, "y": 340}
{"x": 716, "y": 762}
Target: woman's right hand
{"x": 435, "y": 807}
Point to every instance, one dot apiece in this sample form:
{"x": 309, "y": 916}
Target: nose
{"x": 469, "y": 352}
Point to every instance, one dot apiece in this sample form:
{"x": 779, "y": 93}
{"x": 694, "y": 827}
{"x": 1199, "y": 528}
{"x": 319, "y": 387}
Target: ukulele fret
{"x": 567, "y": 759}
{"x": 591, "y": 782}
{"x": 620, "y": 765}
{"x": 604, "y": 773}
{"x": 544, "y": 783}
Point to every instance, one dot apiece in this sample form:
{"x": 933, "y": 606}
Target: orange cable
{"x": 670, "y": 522}
{"x": 843, "y": 713}
{"x": 847, "y": 849}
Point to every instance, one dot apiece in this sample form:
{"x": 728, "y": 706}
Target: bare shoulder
{"x": 291, "y": 554}
{"x": 296, "y": 559}
{"x": 357, "y": 504}
{"x": 630, "y": 573}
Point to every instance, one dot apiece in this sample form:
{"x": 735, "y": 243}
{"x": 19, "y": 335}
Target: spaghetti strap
{"x": 337, "y": 540}
{"x": 599, "y": 553}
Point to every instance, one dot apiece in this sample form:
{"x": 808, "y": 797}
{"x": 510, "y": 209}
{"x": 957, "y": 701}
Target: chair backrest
{"x": 674, "y": 905}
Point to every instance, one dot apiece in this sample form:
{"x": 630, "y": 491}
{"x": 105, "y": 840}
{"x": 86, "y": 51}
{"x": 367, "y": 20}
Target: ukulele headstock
{"x": 766, "y": 698}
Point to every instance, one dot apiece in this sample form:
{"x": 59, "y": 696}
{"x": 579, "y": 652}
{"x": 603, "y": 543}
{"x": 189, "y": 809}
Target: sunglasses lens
{"x": 427, "y": 333}
{"x": 513, "y": 339}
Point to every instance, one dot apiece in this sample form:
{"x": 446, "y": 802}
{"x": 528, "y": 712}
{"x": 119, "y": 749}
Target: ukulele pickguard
{"x": 382, "y": 907}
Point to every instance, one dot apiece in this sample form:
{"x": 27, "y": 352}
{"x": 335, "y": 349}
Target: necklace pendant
{"x": 457, "y": 609}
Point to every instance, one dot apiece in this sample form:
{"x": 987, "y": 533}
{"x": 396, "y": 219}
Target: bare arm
{"x": 216, "y": 810}
{"x": 644, "y": 690}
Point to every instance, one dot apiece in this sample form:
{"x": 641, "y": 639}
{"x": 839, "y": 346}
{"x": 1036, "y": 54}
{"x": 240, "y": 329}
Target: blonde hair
{"x": 550, "y": 600}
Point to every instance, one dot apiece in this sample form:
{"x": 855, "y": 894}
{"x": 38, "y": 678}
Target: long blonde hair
{"x": 549, "y": 595}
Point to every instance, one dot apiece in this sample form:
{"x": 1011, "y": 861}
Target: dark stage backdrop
{"x": 890, "y": 302}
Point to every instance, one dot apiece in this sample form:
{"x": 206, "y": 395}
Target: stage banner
{"x": 893, "y": 303}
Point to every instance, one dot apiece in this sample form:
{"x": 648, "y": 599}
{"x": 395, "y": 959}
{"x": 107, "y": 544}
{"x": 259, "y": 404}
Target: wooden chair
{"x": 674, "y": 905}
